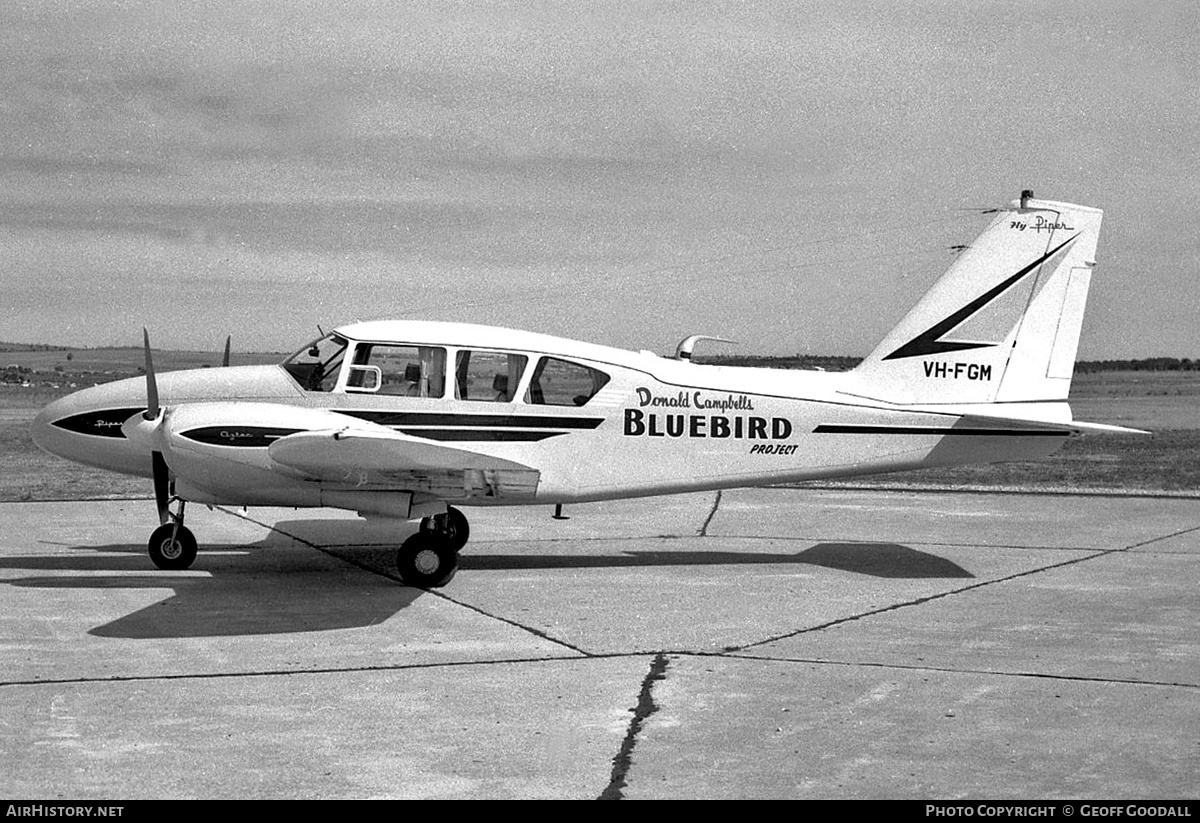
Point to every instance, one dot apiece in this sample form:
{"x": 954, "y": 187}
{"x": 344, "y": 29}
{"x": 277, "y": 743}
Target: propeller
{"x": 158, "y": 463}
{"x": 151, "y": 411}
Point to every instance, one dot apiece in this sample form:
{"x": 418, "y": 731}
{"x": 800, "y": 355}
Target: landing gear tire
{"x": 172, "y": 547}
{"x": 458, "y": 530}
{"x": 427, "y": 560}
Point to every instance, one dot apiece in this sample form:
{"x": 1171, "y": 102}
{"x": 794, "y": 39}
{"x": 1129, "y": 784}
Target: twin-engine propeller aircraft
{"x": 402, "y": 419}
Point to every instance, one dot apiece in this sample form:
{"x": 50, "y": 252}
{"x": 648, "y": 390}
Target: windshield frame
{"x": 322, "y": 373}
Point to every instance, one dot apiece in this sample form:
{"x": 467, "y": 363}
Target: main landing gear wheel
{"x": 172, "y": 547}
{"x": 427, "y": 560}
{"x": 457, "y": 530}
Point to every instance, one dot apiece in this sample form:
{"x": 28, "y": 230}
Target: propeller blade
{"x": 162, "y": 481}
{"x": 225, "y": 359}
{"x": 151, "y": 383}
{"x": 158, "y": 463}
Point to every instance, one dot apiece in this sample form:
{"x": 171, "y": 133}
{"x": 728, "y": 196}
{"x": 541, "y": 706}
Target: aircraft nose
{"x": 49, "y": 437}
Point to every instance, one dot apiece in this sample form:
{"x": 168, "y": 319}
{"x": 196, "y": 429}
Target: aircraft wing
{"x": 384, "y": 459}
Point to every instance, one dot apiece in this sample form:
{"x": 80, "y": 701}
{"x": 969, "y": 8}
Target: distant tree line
{"x": 821, "y": 362}
{"x": 30, "y": 347}
{"x": 1146, "y": 364}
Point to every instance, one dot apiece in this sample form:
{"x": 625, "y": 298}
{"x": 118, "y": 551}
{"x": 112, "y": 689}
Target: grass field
{"x": 1166, "y": 403}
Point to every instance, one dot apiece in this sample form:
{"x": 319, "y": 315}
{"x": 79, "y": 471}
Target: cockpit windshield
{"x": 315, "y": 367}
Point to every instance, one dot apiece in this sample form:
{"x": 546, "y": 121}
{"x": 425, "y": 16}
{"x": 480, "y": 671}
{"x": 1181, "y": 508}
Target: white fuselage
{"x": 657, "y": 426}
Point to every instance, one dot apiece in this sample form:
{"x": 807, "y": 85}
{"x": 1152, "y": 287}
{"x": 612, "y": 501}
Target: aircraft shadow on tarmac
{"x": 264, "y": 588}
{"x": 890, "y": 560}
{"x": 272, "y": 588}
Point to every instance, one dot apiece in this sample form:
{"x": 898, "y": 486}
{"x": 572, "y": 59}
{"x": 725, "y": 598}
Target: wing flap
{"x": 345, "y": 454}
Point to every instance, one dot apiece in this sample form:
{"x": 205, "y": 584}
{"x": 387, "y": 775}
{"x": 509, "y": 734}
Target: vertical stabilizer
{"x": 1003, "y": 323}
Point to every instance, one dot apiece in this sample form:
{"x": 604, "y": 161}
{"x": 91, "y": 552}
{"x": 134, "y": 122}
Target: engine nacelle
{"x": 219, "y": 452}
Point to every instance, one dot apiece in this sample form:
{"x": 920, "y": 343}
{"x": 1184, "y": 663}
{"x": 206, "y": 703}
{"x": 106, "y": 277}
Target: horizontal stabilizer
{"x": 1105, "y": 428}
{"x": 1070, "y": 427}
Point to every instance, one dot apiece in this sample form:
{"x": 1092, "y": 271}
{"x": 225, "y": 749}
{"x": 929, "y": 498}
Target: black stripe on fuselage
{"x": 489, "y": 421}
{"x": 973, "y": 431}
{"x": 479, "y": 435}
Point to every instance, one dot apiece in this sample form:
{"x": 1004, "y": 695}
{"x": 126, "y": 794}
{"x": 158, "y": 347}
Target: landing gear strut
{"x": 457, "y": 529}
{"x": 429, "y": 559}
{"x": 172, "y": 545}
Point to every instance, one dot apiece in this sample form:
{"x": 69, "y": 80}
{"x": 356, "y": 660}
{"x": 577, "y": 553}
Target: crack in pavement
{"x": 917, "y": 601}
{"x": 703, "y": 531}
{"x": 644, "y": 708}
{"x": 864, "y": 664}
{"x": 373, "y": 569}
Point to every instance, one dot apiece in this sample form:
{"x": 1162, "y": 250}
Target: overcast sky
{"x": 790, "y": 175}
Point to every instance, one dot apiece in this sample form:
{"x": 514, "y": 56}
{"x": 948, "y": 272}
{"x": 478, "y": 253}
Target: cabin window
{"x": 316, "y": 366}
{"x": 562, "y": 383}
{"x": 407, "y": 371}
{"x": 487, "y": 375}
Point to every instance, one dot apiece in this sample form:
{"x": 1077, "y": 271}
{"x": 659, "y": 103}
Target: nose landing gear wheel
{"x": 172, "y": 547}
{"x": 426, "y": 560}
